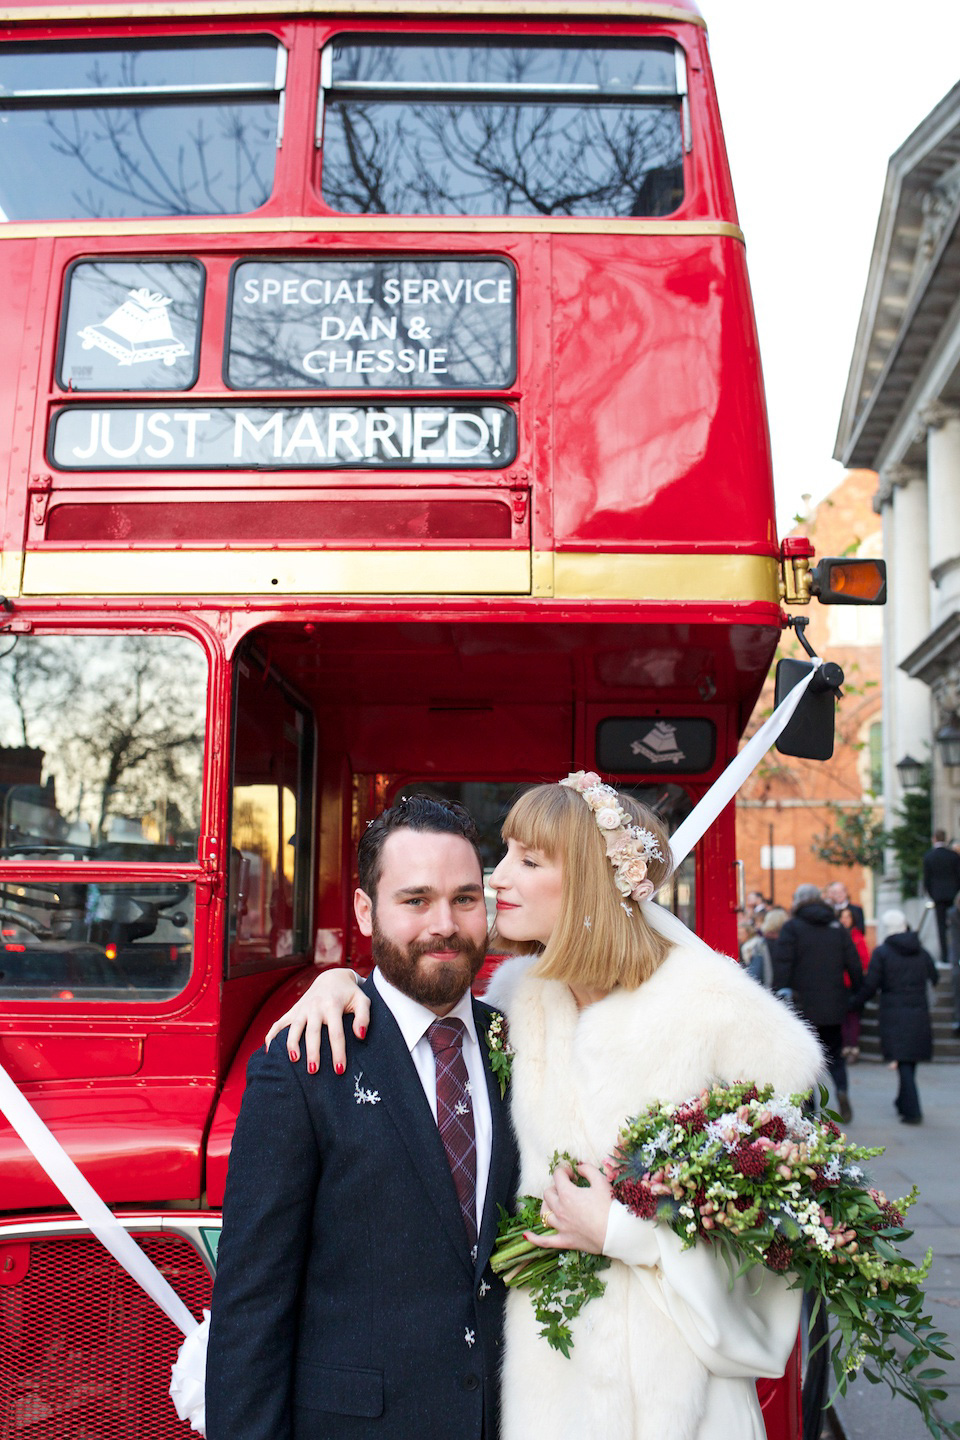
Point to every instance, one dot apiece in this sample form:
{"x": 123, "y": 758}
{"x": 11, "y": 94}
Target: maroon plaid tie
{"x": 455, "y": 1116}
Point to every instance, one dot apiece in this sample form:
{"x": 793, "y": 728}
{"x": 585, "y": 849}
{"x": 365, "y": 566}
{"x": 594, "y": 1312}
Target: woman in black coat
{"x": 901, "y": 969}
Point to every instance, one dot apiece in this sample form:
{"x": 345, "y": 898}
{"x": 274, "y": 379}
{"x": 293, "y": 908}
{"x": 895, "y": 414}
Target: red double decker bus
{"x": 381, "y": 407}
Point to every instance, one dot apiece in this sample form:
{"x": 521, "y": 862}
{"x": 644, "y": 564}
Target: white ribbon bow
{"x": 189, "y": 1377}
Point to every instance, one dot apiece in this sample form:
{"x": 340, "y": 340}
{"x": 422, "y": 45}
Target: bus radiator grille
{"x": 84, "y": 1352}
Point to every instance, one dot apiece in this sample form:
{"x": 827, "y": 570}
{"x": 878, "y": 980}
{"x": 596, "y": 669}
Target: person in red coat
{"x": 851, "y": 1021}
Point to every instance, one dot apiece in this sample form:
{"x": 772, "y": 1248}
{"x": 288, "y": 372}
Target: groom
{"x": 353, "y": 1295}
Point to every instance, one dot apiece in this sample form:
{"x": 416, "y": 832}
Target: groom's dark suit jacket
{"x": 346, "y": 1303}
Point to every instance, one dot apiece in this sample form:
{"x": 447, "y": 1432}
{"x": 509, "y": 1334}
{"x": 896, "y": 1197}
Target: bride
{"x": 612, "y": 1004}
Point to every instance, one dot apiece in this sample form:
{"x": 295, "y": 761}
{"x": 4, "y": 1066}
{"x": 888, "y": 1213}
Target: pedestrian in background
{"x": 837, "y": 895}
{"x": 851, "y": 1021}
{"x": 941, "y": 880}
{"x": 745, "y": 935}
{"x": 760, "y": 963}
{"x": 812, "y": 958}
{"x": 901, "y": 970}
{"x": 757, "y": 906}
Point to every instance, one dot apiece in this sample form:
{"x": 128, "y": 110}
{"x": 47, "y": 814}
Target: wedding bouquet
{"x": 751, "y": 1173}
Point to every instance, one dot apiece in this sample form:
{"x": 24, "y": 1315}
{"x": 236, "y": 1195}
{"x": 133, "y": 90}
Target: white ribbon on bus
{"x": 187, "y": 1387}
{"x": 98, "y": 1218}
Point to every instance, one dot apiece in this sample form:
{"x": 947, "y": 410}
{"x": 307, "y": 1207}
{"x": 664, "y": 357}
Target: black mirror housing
{"x": 809, "y": 735}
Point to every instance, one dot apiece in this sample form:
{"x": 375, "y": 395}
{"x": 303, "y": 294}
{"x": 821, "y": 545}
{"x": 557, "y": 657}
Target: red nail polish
{"x": 294, "y": 1056}
{"x": 311, "y": 1067}
{"x": 362, "y": 1033}
{"x": 340, "y": 1068}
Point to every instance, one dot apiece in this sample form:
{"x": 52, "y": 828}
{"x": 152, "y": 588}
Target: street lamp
{"x": 948, "y": 738}
{"x": 911, "y": 771}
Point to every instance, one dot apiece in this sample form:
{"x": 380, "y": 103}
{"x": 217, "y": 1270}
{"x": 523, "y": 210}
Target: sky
{"x": 815, "y": 98}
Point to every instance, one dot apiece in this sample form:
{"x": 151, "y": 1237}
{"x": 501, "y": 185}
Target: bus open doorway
{"x": 332, "y": 718}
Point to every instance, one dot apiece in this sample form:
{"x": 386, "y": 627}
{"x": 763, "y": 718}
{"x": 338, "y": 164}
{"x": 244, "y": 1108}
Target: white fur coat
{"x": 670, "y": 1351}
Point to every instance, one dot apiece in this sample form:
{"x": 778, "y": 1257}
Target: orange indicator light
{"x": 862, "y": 579}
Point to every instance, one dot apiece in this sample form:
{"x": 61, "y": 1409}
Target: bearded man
{"x": 353, "y": 1294}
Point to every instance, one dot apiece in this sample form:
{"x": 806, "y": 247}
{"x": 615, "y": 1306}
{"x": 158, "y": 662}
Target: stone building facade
{"x": 901, "y": 418}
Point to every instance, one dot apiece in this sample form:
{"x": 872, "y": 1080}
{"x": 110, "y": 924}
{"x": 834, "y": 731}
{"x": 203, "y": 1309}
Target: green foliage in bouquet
{"x": 754, "y": 1175}
{"x": 560, "y": 1282}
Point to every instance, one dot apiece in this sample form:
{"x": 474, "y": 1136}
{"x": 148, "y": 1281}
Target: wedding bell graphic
{"x": 659, "y": 744}
{"x": 138, "y": 330}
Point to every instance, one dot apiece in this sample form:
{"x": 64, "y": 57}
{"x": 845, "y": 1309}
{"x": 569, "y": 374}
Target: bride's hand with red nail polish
{"x": 332, "y": 995}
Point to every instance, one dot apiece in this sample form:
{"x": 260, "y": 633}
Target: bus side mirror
{"x": 809, "y": 735}
{"x": 850, "y": 582}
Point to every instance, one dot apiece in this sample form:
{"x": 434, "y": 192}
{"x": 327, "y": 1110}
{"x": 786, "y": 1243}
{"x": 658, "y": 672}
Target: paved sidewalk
{"x": 927, "y": 1155}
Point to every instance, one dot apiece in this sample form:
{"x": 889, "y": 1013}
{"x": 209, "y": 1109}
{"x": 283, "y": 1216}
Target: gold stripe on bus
{"x": 718, "y": 578}
{"x": 11, "y": 571}
{"x": 541, "y": 578}
{"x": 277, "y": 572}
{"x": 741, "y": 579}
{"x": 320, "y": 9}
{"x": 368, "y": 224}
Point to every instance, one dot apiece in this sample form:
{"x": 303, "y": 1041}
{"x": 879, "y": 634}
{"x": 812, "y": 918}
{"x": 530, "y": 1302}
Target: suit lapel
{"x": 388, "y": 1068}
{"x": 503, "y": 1154}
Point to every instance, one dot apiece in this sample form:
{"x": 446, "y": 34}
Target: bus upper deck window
{"x": 108, "y": 130}
{"x": 499, "y": 128}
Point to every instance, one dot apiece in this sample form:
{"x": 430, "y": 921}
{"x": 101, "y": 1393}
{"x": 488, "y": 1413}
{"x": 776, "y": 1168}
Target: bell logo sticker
{"x": 659, "y": 745}
{"x": 139, "y": 330}
{"x": 638, "y": 744}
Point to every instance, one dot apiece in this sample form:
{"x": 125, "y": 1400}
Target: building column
{"x": 910, "y": 596}
{"x": 946, "y": 781}
{"x": 883, "y": 506}
{"x": 942, "y": 424}
{"x": 907, "y": 702}
{"x": 887, "y": 887}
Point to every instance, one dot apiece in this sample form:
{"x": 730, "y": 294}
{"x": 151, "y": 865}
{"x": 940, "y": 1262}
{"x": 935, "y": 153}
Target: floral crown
{"x": 629, "y": 846}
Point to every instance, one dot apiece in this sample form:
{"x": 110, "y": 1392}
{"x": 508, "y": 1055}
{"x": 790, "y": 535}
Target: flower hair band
{"x": 629, "y": 846}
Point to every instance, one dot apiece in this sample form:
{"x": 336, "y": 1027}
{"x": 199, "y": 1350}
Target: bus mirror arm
{"x": 829, "y": 675}
{"x": 799, "y": 623}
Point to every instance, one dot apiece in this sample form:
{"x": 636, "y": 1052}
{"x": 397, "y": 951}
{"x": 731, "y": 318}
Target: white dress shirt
{"x": 414, "y": 1020}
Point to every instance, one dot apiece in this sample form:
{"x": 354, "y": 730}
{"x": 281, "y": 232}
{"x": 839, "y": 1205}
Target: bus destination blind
{"x": 313, "y": 437}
